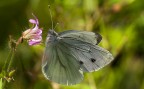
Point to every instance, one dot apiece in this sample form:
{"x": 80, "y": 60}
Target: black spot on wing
{"x": 81, "y": 62}
{"x": 93, "y": 60}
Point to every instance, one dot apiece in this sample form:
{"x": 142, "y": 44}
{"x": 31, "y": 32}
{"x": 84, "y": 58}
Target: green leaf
{"x": 1, "y": 83}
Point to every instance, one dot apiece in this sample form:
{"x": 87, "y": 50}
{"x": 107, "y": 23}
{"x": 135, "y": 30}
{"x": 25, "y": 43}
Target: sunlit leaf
{"x": 1, "y": 83}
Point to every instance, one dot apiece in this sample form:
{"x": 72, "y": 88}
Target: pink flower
{"x": 33, "y": 35}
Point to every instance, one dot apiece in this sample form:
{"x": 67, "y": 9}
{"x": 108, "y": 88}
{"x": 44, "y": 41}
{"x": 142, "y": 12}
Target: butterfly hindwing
{"x": 60, "y": 66}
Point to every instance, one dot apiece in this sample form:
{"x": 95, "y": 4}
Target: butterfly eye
{"x": 81, "y": 62}
{"x": 93, "y": 60}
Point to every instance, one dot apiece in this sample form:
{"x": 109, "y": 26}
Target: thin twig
{"x": 4, "y": 66}
{"x": 11, "y": 60}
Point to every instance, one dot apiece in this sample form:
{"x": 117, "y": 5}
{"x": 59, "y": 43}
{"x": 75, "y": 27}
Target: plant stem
{"x": 9, "y": 66}
{"x": 13, "y": 46}
{"x": 11, "y": 60}
{"x": 4, "y": 66}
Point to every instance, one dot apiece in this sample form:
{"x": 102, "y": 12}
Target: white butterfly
{"x": 70, "y": 53}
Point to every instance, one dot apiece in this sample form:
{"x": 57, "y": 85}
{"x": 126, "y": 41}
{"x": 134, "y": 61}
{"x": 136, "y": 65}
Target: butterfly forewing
{"x": 92, "y": 56}
{"x": 84, "y": 36}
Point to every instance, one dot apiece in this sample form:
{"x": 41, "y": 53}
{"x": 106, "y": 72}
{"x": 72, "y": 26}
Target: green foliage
{"x": 120, "y": 22}
{"x": 1, "y": 83}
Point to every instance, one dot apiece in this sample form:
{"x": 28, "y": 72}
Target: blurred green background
{"x": 120, "y": 22}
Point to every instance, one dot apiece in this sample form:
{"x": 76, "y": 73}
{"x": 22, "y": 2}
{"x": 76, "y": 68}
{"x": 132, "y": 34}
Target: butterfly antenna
{"x": 50, "y": 16}
{"x": 56, "y": 25}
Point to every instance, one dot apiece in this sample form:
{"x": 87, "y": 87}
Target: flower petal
{"x": 39, "y": 32}
{"x": 37, "y": 22}
{"x": 33, "y": 21}
{"x": 35, "y": 41}
{"x": 34, "y": 30}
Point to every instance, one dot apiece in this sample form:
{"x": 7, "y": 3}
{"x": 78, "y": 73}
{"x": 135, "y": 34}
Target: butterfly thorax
{"x": 52, "y": 36}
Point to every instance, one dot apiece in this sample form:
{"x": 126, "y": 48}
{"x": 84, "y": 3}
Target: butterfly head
{"x": 51, "y": 32}
{"x": 52, "y": 36}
